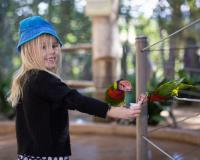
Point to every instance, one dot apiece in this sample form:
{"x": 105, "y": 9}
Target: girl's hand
{"x": 142, "y": 99}
{"x": 128, "y": 113}
{"x": 125, "y": 113}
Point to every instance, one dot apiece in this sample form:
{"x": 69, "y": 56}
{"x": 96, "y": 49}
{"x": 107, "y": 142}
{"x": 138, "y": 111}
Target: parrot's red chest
{"x": 116, "y": 94}
{"x": 155, "y": 97}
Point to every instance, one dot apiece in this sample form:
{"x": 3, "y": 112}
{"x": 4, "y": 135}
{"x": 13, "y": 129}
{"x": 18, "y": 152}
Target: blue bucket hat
{"x": 33, "y": 27}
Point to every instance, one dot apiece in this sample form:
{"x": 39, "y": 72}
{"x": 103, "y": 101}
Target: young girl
{"x": 42, "y": 99}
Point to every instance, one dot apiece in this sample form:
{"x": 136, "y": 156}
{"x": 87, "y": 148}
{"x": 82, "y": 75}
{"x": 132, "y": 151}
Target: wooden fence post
{"x": 141, "y": 81}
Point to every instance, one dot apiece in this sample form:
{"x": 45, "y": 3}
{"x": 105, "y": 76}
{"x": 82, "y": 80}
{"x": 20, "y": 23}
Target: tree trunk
{"x": 50, "y": 10}
{"x": 162, "y": 51}
{"x": 124, "y": 59}
{"x": 170, "y": 64}
{"x": 191, "y": 58}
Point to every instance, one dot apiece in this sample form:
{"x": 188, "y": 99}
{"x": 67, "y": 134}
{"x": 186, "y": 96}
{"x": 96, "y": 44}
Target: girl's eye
{"x": 44, "y": 47}
{"x": 55, "y": 46}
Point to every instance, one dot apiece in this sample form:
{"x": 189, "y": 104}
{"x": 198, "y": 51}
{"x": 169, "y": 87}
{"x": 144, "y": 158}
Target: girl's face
{"x": 51, "y": 52}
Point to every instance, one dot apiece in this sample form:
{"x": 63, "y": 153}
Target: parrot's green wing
{"x": 167, "y": 88}
{"x": 180, "y": 87}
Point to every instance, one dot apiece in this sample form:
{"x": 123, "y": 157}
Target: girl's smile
{"x": 50, "y": 60}
{"x": 51, "y": 53}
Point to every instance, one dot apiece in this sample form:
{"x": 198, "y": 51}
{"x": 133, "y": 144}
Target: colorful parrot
{"x": 117, "y": 93}
{"x": 167, "y": 90}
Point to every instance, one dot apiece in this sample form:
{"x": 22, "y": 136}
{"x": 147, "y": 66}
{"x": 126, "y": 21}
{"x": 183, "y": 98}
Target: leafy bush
{"x": 192, "y": 79}
{"x": 5, "y": 107}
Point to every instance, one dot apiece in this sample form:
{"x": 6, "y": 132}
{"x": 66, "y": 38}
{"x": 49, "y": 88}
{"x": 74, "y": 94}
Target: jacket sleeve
{"x": 52, "y": 89}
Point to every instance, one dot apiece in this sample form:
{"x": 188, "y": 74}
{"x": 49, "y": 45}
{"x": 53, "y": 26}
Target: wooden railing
{"x": 77, "y": 48}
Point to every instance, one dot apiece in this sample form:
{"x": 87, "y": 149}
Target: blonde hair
{"x": 32, "y": 58}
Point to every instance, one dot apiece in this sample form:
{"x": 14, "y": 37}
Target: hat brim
{"x": 28, "y": 36}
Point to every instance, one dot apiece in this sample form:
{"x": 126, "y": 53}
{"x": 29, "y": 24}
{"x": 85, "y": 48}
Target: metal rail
{"x": 178, "y": 31}
{"x": 182, "y": 120}
{"x": 160, "y": 149}
{"x": 187, "y": 99}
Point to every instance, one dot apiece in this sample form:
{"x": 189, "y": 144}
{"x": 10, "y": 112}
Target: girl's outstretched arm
{"x": 127, "y": 113}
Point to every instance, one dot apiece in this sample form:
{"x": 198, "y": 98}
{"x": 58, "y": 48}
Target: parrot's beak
{"x": 127, "y": 89}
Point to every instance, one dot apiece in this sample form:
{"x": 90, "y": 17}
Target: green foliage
{"x": 191, "y": 79}
{"x": 5, "y": 107}
{"x": 154, "y": 110}
{"x": 77, "y": 66}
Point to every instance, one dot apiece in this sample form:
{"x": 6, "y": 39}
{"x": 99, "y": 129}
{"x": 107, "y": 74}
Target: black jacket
{"x": 42, "y": 124}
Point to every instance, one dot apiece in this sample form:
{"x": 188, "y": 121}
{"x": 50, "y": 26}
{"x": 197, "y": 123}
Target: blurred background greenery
{"x": 155, "y": 19}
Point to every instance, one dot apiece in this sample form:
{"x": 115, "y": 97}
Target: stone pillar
{"x": 107, "y": 50}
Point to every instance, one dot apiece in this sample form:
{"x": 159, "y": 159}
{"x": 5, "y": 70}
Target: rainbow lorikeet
{"x": 167, "y": 90}
{"x": 117, "y": 93}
